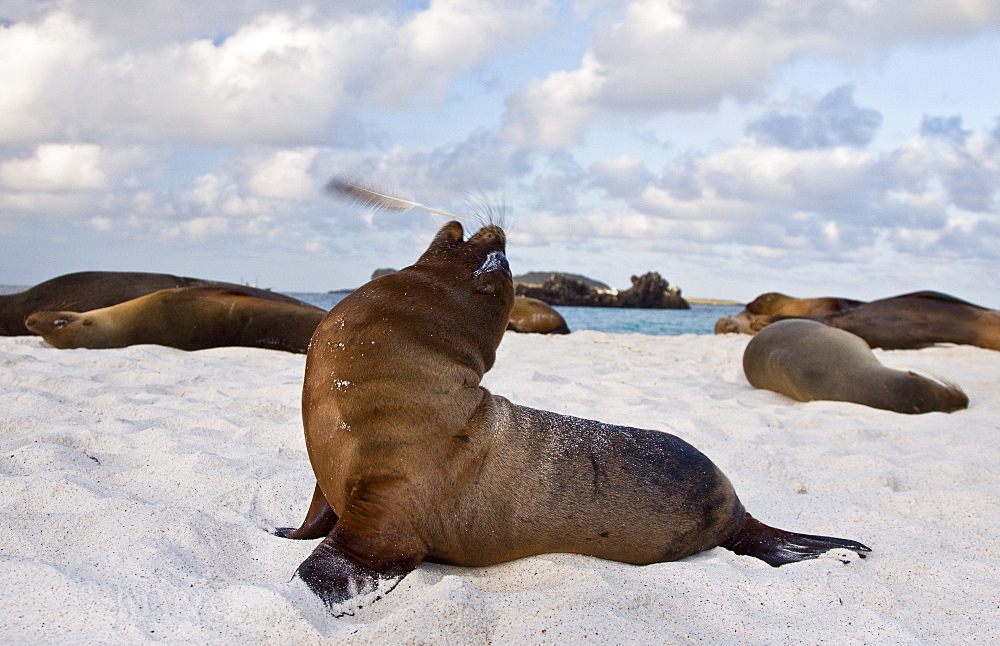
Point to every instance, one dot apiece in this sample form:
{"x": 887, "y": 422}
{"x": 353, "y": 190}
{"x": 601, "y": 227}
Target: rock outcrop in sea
{"x": 649, "y": 291}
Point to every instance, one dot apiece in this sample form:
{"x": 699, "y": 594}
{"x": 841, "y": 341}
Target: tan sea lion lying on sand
{"x": 779, "y": 304}
{"x": 189, "y": 318}
{"x": 91, "y": 290}
{"x": 535, "y": 316}
{"x": 416, "y": 461}
{"x": 808, "y": 361}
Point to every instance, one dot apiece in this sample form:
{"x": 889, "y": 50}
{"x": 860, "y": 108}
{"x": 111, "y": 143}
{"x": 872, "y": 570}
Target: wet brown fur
{"x": 415, "y": 460}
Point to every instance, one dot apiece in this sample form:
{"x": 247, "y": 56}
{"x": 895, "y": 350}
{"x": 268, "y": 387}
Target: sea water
{"x": 700, "y": 319}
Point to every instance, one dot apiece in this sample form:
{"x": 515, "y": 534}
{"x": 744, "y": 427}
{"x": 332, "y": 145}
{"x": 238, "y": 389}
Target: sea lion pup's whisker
{"x": 378, "y": 198}
{"x": 488, "y": 212}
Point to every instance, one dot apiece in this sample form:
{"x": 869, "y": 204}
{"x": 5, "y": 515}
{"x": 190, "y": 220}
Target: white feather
{"x": 378, "y": 199}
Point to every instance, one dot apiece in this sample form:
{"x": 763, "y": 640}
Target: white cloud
{"x": 284, "y": 174}
{"x": 39, "y": 64}
{"x": 834, "y": 120}
{"x": 288, "y": 76}
{"x": 663, "y": 55}
{"x": 100, "y": 223}
{"x": 450, "y": 36}
{"x": 937, "y": 198}
{"x": 55, "y": 168}
{"x": 279, "y": 78}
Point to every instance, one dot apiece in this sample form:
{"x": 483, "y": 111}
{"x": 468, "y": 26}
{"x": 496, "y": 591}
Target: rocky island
{"x": 649, "y": 291}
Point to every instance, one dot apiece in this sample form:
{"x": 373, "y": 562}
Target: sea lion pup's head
{"x": 480, "y": 259}
{"x": 454, "y": 302}
{"x": 63, "y": 330}
{"x": 736, "y": 324}
{"x": 470, "y": 280}
{"x": 769, "y": 303}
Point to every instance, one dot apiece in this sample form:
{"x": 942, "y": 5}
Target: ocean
{"x": 700, "y": 319}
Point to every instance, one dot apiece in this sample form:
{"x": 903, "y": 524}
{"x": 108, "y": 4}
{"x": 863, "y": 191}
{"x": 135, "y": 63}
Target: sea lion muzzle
{"x": 495, "y": 261}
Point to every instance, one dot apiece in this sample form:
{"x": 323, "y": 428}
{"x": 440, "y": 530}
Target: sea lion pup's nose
{"x": 495, "y": 261}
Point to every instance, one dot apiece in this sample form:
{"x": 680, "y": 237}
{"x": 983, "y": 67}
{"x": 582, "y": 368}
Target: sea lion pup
{"x": 415, "y": 460}
{"x": 189, "y": 318}
{"x": 91, "y": 290}
{"x": 777, "y": 303}
{"x": 742, "y": 323}
{"x": 761, "y": 311}
{"x": 809, "y": 361}
{"x": 534, "y": 316}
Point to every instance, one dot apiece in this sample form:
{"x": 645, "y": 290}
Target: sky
{"x": 812, "y": 147}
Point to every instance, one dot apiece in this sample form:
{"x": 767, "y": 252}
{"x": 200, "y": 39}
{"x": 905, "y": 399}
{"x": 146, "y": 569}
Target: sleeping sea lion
{"x": 918, "y": 320}
{"x": 808, "y": 361}
{"x": 905, "y": 322}
{"x": 760, "y": 311}
{"x": 91, "y": 290}
{"x": 535, "y": 316}
{"x": 415, "y": 460}
{"x": 189, "y": 318}
{"x": 741, "y": 323}
{"x": 777, "y": 303}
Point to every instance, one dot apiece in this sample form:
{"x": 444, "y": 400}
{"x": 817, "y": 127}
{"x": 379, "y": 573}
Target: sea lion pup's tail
{"x": 777, "y": 547}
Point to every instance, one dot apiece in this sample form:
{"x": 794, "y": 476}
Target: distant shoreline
{"x": 710, "y": 301}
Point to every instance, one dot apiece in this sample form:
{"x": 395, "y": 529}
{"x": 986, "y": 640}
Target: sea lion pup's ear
{"x": 449, "y": 235}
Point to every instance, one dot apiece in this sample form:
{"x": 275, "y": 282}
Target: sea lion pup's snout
{"x": 493, "y": 238}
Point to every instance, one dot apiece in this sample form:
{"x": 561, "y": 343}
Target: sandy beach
{"x": 138, "y": 487}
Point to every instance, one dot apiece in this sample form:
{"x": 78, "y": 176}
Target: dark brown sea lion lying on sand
{"x": 189, "y": 318}
{"x": 91, "y": 290}
{"x": 808, "y": 361}
{"x": 903, "y": 322}
{"x": 416, "y": 461}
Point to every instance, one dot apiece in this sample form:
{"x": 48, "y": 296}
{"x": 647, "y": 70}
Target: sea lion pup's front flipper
{"x": 319, "y": 522}
{"x": 369, "y": 545}
{"x": 777, "y": 547}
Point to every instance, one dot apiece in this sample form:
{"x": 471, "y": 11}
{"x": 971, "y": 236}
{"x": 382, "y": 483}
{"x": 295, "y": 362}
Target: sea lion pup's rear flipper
{"x": 777, "y": 547}
{"x": 319, "y": 522}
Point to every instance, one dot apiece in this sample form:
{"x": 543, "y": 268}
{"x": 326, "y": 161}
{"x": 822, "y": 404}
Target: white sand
{"x": 138, "y": 484}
